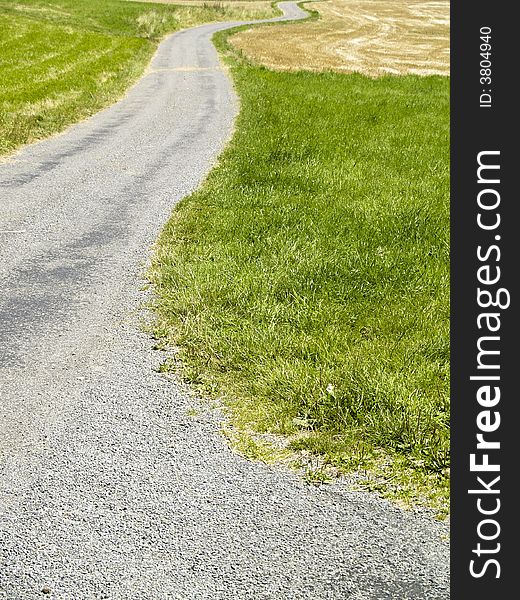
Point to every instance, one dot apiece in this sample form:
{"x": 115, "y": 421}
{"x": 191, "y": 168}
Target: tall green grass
{"x": 63, "y": 60}
{"x": 306, "y": 282}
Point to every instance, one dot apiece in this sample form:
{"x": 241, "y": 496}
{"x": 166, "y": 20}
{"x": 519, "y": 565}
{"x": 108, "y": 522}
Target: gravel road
{"x": 110, "y": 486}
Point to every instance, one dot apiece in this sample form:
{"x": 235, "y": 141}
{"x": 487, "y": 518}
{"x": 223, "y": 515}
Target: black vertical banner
{"x": 485, "y": 259}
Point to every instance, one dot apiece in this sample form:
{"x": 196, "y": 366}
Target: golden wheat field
{"x": 375, "y": 37}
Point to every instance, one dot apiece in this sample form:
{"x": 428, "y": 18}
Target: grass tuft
{"x": 151, "y": 23}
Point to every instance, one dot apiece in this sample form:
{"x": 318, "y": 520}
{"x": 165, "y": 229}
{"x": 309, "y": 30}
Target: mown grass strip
{"x": 63, "y": 60}
{"x": 306, "y": 282}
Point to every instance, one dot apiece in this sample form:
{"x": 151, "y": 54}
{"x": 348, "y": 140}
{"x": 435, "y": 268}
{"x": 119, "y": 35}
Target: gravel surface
{"x": 109, "y": 486}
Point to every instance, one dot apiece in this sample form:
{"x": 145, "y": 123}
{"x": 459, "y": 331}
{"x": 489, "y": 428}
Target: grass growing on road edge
{"x": 63, "y": 60}
{"x": 306, "y": 282}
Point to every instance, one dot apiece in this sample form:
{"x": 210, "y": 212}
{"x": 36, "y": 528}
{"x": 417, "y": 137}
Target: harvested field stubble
{"x": 374, "y": 37}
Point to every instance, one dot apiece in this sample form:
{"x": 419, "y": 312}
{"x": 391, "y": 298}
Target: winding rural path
{"x": 109, "y": 486}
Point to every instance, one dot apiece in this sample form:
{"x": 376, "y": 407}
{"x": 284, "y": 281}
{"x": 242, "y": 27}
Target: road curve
{"x": 110, "y": 485}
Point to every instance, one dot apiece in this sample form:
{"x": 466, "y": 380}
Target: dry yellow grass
{"x": 264, "y": 5}
{"x": 375, "y": 37}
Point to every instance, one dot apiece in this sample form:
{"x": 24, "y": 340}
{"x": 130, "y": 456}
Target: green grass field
{"x": 306, "y": 283}
{"x": 63, "y": 60}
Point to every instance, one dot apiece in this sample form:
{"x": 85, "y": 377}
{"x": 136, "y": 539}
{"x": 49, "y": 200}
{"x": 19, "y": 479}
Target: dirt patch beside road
{"x": 375, "y": 37}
